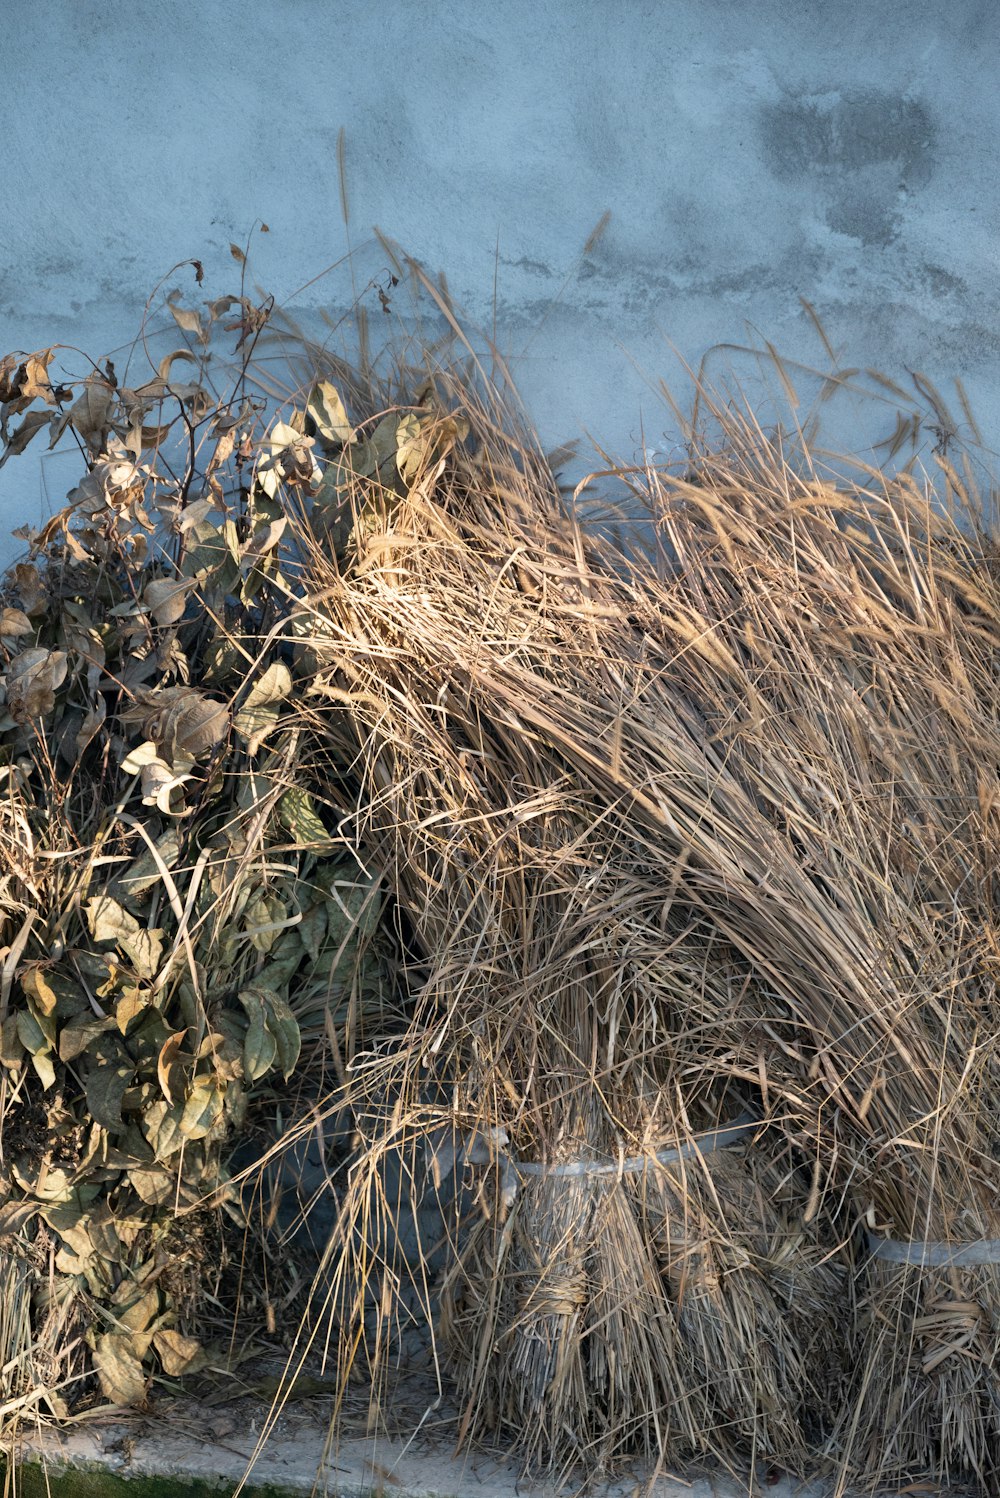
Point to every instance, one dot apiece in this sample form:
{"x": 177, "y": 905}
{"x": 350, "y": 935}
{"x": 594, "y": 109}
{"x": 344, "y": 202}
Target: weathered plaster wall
{"x": 749, "y": 153}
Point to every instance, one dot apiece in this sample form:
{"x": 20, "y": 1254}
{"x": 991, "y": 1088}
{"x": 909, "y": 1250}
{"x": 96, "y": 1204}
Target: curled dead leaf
{"x": 183, "y": 723}
{"x": 32, "y": 680}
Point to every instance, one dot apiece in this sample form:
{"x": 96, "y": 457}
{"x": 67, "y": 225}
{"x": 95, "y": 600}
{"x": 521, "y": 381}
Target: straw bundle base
{"x": 929, "y": 1399}
{"x": 559, "y": 1328}
{"x": 761, "y": 1340}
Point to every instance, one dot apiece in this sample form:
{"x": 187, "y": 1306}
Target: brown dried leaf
{"x": 35, "y": 383}
{"x": 32, "y": 681}
{"x": 169, "y": 1068}
{"x": 187, "y": 319}
{"x": 14, "y": 624}
{"x": 30, "y": 588}
{"x": 119, "y": 1371}
{"x": 180, "y": 721}
{"x": 90, "y": 412}
{"x": 166, "y": 598}
{"x": 178, "y": 1354}
{"x": 43, "y": 995}
{"x": 22, "y": 435}
{"x": 93, "y": 722}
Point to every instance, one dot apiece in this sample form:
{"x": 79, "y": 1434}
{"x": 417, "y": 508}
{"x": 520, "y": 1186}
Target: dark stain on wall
{"x": 842, "y": 132}
{"x": 864, "y": 151}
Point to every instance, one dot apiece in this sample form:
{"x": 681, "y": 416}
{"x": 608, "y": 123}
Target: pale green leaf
{"x": 46, "y": 1072}
{"x": 330, "y": 414}
{"x": 275, "y": 685}
{"x": 105, "y": 1087}
{"x": 202, "y": 1108}
{"x": 109, "y": 921}
{"x": 283, "y": 1026}
{"x": 413, "y": 447}
{"x": 297, "y": 814}
{"x": 77, "y": 1036}
{"x": 142, "y": 874}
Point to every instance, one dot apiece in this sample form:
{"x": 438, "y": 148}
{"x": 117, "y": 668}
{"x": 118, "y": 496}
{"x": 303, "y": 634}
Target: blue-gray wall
{"x": 750, "y": 154}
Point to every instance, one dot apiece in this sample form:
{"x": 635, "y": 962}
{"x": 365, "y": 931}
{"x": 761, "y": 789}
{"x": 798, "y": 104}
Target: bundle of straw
{"x": 452, "y": 670}
{"x": 665, "y": 832}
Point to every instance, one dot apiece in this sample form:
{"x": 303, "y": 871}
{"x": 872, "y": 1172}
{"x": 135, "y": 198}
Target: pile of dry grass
{"x": 672, "y": 836}
{"x": 675, "y": 1119}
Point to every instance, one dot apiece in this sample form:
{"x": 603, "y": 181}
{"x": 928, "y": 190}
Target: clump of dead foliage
{"x": 638, "y": 906}
{"x": 182, "y": 930}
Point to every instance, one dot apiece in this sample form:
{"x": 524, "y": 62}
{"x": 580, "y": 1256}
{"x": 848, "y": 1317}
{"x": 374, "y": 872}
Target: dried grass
{"x": 700, "y": 827}
{"x": 670, "y": 835}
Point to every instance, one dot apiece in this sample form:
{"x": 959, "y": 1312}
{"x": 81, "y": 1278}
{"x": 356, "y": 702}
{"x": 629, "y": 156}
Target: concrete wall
{"x": 749, "y": 153}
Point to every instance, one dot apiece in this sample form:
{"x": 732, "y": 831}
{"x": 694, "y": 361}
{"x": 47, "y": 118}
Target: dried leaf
{"x": 34, "y": 382}
{"x": 182, "y": 722}
{"x": 109, "y": 921}
{"x": 187, "y": 319}
{"x": 178, "y": 1354}
{"x": 153, "y": 1185}
{"x": 93, "y": 722}
{"x": 169, "y": 1067}
{"x": 41, "y": 992}
{"x": 132, "y": 1003}
{"x": 137, "y": 1306}
{"x": 11, "y": 1046}
{"x": 166, "y": 599}
{"x": 32, "y": 681}
{"x": 22, "y": 435}
{"x": 14, "y": 624}
{"x": 159, "y": 780}
{"x": 90, "y": 413}
{"x": 264, "y": 539}
{"x": 414, "y": 443}
{"x": 30, "y": 588}
{"x": 120, "y": 1372}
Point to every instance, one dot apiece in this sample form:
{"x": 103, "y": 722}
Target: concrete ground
{"x": 200, "y": 1448}
{"x": 178, "y": 1457}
